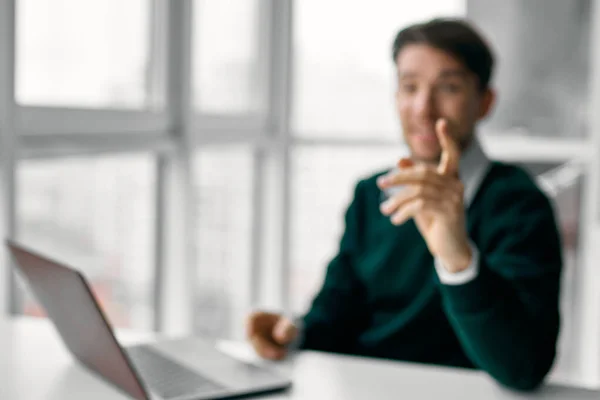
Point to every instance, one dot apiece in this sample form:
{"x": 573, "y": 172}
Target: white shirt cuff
{"x": 462, "y": 277}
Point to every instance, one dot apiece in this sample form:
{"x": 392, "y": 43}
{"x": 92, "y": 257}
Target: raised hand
{"x": 434, "y": 199}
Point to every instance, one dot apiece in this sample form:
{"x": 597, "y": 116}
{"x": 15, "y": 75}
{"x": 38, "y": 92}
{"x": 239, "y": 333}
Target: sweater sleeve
{"x": 338, "y": 310}
{"x": 507, "y": 317}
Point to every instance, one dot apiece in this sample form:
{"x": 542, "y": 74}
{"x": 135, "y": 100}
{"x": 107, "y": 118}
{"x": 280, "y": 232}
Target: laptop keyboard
{"x": 167, "y": 378}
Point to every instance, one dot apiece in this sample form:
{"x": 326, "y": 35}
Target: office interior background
{"x": 194, "y": 157}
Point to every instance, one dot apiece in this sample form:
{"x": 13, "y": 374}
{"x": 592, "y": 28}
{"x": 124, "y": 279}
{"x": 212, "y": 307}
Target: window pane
{"x": 96, "y": 215}
{"x": 226, "y": 62}
{"x": 542, "y": 92}
{"x": 343, "y": 71}
{"x": 330, "y": 175}
{"x": 223, "y": 200}
{"x": 83, "y": 53}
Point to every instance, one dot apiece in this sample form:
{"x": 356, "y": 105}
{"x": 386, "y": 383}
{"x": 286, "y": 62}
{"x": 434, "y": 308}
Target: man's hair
{"x": 454, "y": 36}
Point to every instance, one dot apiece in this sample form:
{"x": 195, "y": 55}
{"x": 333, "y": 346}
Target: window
{"x": 96, "y": 215}
{"x": 85, "y": 54}
{"x": 323, "y": 181}
{"x": 228, "y": 75}
{"x": 344, "y": 81}
{"x": 223, "y": 189}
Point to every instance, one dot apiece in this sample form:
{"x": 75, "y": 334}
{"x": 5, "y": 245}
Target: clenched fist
{"x": 270, "y": 334}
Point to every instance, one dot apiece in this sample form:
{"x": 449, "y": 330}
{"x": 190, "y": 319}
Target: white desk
{"x": 35, "y": 365}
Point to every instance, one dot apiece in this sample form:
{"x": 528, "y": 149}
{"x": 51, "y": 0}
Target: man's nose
{"x": 424, "y": 105}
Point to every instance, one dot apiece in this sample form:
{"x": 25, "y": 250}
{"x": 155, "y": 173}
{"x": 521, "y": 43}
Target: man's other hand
{"x": 270, "y": 334}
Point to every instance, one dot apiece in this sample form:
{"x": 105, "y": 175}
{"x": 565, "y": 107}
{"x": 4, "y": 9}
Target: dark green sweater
{"x": 382, "y": 298}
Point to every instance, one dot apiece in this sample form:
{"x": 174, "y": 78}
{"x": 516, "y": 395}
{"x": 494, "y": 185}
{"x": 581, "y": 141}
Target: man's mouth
{"x": 428, "y": 136}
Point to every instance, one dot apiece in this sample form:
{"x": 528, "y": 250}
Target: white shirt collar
{"x": 472, "y": 169}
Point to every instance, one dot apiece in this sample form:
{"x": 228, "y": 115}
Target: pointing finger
{"x": 450, "y": 151}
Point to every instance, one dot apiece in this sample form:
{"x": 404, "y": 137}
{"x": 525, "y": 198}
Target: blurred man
{"x": 460, "y": 264}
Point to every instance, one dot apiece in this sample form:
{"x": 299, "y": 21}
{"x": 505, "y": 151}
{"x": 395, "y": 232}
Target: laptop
{"x": 181, "y": 369}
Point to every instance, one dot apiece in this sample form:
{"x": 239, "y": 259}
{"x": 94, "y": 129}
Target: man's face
{"x": 432, "y": 84}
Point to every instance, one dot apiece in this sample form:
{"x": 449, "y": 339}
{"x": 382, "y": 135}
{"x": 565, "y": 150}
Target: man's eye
{"x": 449, "y": 87}
{"x": 408, "y": 87}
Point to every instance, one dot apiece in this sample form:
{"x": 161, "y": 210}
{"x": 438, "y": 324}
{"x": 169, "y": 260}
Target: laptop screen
{"x": 66, "y": 296}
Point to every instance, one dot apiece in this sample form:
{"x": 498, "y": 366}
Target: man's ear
{"x": 488, "y": 99}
